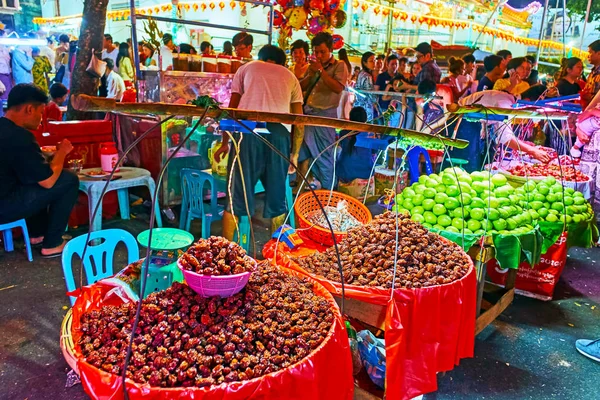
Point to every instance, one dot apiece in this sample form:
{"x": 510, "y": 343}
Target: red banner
{"x": 537, "y": 282}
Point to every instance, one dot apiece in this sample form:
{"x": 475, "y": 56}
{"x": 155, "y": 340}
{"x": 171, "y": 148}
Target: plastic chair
{"x": 193, "y": 184}
{"x": 8, "y": 238}
{"x": 98, "y": 256}
{"x": 413, "y": 158}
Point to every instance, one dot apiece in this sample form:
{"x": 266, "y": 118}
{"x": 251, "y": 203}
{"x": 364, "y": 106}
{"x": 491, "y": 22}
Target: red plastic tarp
{"x": 325, "y": 374}
{"x": 427, "y": 330}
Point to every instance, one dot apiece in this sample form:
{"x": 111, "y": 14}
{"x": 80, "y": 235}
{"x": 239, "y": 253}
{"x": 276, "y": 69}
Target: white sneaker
{"x": 576, "y": 153}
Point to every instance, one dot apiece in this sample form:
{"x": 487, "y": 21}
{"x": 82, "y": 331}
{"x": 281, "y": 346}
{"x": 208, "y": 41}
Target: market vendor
{"x": 31, "y": 188}
{"x": 503, "y": 132}
{"x": 263, "y": 85}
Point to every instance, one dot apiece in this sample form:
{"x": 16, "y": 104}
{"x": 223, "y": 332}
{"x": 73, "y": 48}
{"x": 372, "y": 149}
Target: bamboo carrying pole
{"x": 512, "y": 112}
{"x": 88, "y": 103}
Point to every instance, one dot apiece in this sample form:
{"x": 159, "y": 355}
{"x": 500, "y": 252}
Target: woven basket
{"x": 307, "y": 203}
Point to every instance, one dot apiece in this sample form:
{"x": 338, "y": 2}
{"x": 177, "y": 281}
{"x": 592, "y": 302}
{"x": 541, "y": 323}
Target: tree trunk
{"x": 90, "y": 37}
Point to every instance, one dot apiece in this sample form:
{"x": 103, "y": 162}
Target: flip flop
{"x": 50, "y": 255}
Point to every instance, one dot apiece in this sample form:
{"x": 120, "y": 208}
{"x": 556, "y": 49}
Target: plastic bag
{"x": 372, "y": 353}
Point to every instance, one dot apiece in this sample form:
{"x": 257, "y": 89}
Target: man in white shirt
{"x": 166, "y": 52}
{"x": 110, "y": 50}
{"x": 263, "y": 85}
{"x": 114, "y": 83}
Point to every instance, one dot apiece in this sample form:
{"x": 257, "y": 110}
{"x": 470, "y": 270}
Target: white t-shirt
{"x": 266, "y": 87}
{"x": 115, "y": 86}
{"x": 112, "y": 55}
{"x": 494, "y": 98}
{"x": 167, "y": 57}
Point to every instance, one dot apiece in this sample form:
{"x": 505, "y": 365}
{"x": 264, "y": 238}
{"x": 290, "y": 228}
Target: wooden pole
{"x": 512, "y": 112}
{"x": 89, "y": 103}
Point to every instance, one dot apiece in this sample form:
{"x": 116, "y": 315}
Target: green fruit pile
{"x": 554, "y": 203}
{"x": 480, "y": 203}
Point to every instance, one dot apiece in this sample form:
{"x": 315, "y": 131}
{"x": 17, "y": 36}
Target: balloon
{"x": 296, "y": 17}
{"x": 316, "y": 5}
{"x": 316, "y": 25}
{"x": 338, "y": 42}
{"x": 332, "y": 5}
{"x": 298, "y": 3}
{"x": 277, "y": 18}
{"x": 338, "y": 19}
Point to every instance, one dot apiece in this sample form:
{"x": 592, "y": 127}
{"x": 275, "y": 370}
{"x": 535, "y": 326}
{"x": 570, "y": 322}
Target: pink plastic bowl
{"x": 211, "y": 285}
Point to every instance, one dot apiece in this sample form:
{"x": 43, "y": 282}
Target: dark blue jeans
{"x": 46, "y": 210}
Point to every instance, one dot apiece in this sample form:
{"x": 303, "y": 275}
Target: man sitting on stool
{"x": 31, "y": 188}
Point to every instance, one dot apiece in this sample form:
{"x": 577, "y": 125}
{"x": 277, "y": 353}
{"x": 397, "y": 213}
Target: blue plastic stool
{"x": 413, "y": 157}
{"x": 98, "y": 256}
{"x": 193, "y": 184}
{"x": 8, "y": 238}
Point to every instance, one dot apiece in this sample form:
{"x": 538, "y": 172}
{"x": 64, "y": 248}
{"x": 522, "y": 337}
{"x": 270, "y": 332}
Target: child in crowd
{"x": 586, "y": 127}
{"x": 58, "y": 95}
{"x": 354, "y": 162}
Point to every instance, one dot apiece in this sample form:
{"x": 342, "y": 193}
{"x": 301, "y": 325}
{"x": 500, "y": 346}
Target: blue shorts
{"x": 259, "y": 162}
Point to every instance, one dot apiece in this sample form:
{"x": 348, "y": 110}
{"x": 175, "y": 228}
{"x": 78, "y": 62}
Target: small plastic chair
{"x": 8, "y": 238}
{"x": 98, "y": 256}
{"x": 193, "y": 184}
{"x": 413, "y": 157}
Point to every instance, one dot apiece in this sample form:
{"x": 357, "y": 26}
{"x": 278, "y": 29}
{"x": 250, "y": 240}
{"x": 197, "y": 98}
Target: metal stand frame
{"x": 135, "y": 17}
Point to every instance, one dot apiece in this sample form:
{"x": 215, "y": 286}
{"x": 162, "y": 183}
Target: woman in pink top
{"x": 456, "y": 67}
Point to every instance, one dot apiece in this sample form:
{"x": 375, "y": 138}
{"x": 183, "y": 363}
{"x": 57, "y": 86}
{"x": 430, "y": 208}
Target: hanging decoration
{"x": 314, "y": 16}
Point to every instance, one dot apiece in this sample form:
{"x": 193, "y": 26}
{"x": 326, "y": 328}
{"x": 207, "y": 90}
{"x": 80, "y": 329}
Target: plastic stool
{"x": 157, "y": 279}
{"x": 458, "y": 162}
{"x": 413, "y": 158}
{"x": 8, "y": 238}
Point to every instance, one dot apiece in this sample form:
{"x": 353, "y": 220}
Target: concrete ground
{"x": 527, "y": 353}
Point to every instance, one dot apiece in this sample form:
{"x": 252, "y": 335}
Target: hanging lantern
{"x": 212, "y": 6}
{"x": 413, "y": 18}
{"x": 377, "y": 10}
{"x": 364, "y": 7}
{"x": 203, "y": 6}
{"x": 221, "y": 5}
{"x": 355, "y": 4}
{"x": 385, "y": 12}
{"x": 186, "y": 6}
{"x": 232, "y": 5}
{"x": 421, "y": 19}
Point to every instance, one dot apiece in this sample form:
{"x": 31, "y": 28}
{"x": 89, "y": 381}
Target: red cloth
{"x": 427, "y": 330}
{"x": 325, "y": 374}
{"x": 51, "y": 113}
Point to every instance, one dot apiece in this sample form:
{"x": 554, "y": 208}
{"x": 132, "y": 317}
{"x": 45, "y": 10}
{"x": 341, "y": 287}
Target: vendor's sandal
{"x": 36, "y": 242}
{"x": 59, "y": 251}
